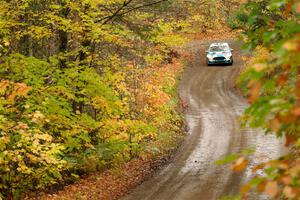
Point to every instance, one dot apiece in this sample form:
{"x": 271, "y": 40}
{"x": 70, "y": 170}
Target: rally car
{"x": 219, "y": 53}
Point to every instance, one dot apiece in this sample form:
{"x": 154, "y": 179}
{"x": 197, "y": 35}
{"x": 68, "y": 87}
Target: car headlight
{"x": 227, "y": 55}
{"x": 209, "y": 56}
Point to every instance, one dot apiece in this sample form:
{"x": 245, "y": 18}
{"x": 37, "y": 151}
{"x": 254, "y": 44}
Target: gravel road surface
{"x": 214, "y": 131}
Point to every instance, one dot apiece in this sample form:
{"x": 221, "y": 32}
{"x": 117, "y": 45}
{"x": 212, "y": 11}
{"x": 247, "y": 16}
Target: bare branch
{"x": 121, "y": 11}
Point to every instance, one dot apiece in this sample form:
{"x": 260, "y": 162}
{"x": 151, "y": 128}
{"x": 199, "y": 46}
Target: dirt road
{"x": 214, "y": 131}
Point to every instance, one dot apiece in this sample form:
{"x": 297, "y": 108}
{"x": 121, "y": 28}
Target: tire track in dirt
{"x": 214, "y": 131}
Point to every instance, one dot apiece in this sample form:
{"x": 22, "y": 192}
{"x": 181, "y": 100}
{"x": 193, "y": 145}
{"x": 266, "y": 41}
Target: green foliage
{"x": 271, "y": 82}
{"x": 233, "y": 157}
{"x": 82, "y": 86}
{"x": 30, "y": 157}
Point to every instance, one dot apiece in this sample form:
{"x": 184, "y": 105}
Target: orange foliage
{"x": 12, "y": 91}
{"x": 150, "y": 96}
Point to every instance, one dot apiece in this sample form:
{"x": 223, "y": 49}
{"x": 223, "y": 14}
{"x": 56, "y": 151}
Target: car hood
{"x": 222, "y": 53}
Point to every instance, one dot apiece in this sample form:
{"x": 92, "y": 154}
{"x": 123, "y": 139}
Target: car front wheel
{"x": 207, "y": 62}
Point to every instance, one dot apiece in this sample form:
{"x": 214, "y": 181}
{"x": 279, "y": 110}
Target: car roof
{"x": 220, "y": 44}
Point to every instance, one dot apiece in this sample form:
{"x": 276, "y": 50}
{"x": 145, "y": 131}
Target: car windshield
{"x": 218, "y": 48}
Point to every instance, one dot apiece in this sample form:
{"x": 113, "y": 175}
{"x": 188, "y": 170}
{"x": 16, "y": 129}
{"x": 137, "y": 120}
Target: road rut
{"x": 214, "y": 131}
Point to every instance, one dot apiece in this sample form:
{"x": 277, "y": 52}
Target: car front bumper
{"x": 227, "y": 61}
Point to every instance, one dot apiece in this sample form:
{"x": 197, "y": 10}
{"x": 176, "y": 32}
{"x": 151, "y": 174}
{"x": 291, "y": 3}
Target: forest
{"x": 86, "y": 85}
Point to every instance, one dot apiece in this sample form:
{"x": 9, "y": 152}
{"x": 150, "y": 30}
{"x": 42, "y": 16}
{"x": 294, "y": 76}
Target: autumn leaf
{"x": 261, "y": 187}
{"x": 297, "y": 89}
{"x": 283, "y": 165}
{"x": 274, "y": 124}
{"x": 19, "y": 89}
{"x": 290, "y": 46}
{"x": 3, "y": 85}
{"x": 288, "y": 9}
{"x": 258, "y": 167}
{"x": 282, "y": 79}
{"x": 290, "y": 192}
{"x": 287, "y": 180}
{"x": 260, "y": 67}
{"x": 296, "y": 111}
{"x": 298, "y": 7}
{"x": 289, "y": 118}
{"x": 254, "y": 92}
{"x": 290, "y": 139}
{"x": 286, "y": 66}
{"x": 294, "y": 171}
{"x": 272, "y": 189}
{"x": 240, "y": 164}
{"x": 245, "y": 189}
